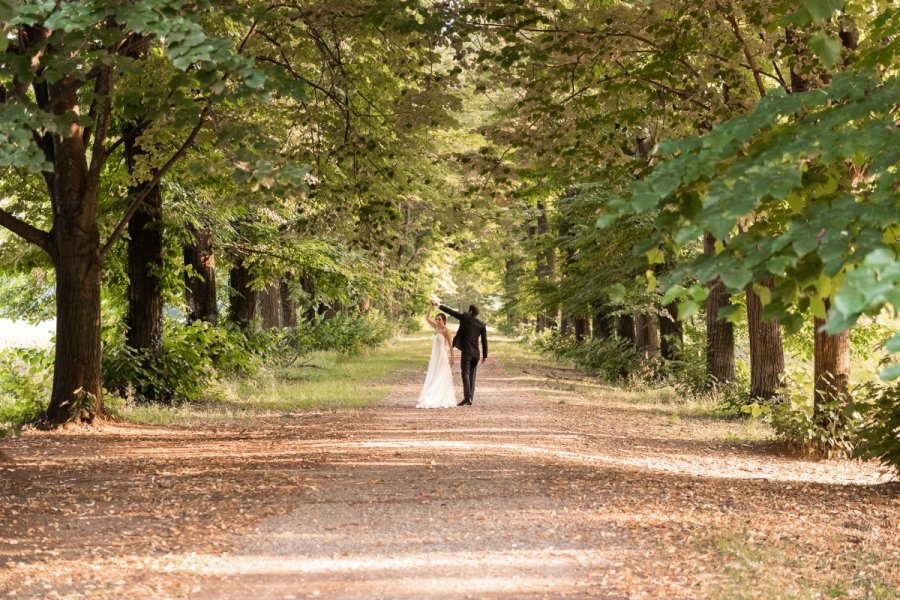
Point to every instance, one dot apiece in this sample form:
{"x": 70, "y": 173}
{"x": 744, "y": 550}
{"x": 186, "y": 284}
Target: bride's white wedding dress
{"x": 438, "y": 390}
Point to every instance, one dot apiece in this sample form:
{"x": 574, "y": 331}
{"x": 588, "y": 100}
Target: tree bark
{"x": 604, "y": 323}
{"x": 270, "y": 306}
{"x": 75, "y": 240}
{"x": 625, "y": 329}
{"x": 719, "y": 332}
{"x": 144, "y": 315}
{"x": 564, "y": 329}
{"x": 545, "y": 265}
{"x": 831, "y": 366}
{"x": 671, "y": 333}
{"x": 200, "y": 285}
{"x": 288, "y": 305}
{"x": 243, "y": 297}
{"x": 766, "y": 348}
{"x": 646, "y": 335}
{"x": 582, "y": 328}
{"x": 308, "y": 284}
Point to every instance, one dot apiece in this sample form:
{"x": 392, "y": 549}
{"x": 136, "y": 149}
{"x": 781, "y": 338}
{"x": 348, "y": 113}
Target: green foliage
{"x": 192, "y": 357}
{"x": 346, "y": 334}
{"x": 24, "y": 385}
{"x": 879, "y": 427}
{"x": 610, "y": 360}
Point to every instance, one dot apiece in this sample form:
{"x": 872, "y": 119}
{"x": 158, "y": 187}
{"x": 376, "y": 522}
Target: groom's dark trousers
{"x": 469, "y": 365}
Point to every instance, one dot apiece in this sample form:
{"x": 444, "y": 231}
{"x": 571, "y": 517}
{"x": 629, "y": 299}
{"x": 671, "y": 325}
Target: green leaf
{"x": 7, "y": 11}
{"x": 688, "y": 309}
{"x": 827, "y": 48}
{"x": 763, "y": 292}
{"x": 890, "y": 373}
{"x": 656, "y": 256}
{"x": 821, "y": 10}
{"x": 893, "y": 344}
{"x": 817, "y": 306}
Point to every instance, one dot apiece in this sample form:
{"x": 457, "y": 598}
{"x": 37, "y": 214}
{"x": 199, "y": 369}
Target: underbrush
{"x": 193, "y": 362}
{"x": 862, "y": 423}
{"x": 25, "y": 383}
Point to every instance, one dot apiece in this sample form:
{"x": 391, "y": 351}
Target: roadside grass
{"x": 561, "y": 383}
{"x": 754, "y": 569}
{"x": 325, "y": 381}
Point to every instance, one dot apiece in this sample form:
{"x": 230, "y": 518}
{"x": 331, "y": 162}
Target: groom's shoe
{"x": 465, "y": 403}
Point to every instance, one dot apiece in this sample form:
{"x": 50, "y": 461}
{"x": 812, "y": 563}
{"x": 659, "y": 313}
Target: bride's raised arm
{"x": 428, "y": 316}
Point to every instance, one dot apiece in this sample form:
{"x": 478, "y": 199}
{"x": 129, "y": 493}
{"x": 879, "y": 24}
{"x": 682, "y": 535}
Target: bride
{"x": 438, "y": 390}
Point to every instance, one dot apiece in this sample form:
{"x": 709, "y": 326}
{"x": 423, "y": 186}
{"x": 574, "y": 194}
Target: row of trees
{"x": 777, "y": 206}
{"x": 148, "y": 146}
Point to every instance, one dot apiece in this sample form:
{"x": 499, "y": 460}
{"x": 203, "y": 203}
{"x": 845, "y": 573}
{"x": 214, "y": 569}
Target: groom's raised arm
{"x": 450, "y": 311}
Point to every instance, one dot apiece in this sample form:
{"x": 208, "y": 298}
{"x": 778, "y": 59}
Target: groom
{"x": 466, "y": 341}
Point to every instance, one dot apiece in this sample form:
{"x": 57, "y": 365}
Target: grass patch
{"x": 326, "y": 381}
{"x": 752, "y": 569}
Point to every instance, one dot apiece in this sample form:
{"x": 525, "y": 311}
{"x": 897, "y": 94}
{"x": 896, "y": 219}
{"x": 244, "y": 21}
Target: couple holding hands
{"x": 438, "y": 391}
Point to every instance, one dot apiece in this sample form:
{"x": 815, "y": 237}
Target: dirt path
{"x": 534, "y": 492}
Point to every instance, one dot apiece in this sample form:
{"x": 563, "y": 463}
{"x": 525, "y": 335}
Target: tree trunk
{"x": 270, "y": 306}
{"x": 75, "y": 238}
{"x": 288, "y": 305}
{"x": 309, "y": 288}
{"x": 582, "y": 328}
{"x": 766, "y": 349}
{"x": 625, "y": 329}
{"x": 671, "y": 333}
{"x": 564, "y": 328}
{"x": 719, "y": 332}
{"x": 603, "y": 323}
{"x": 545, "y": 265}
{"x": 646, "y": 335}
{"x": 200, "y": 284}
{"x": 243, "y": 297}
{"x": 831, "y": 366}
{"x": 144, "y": 315}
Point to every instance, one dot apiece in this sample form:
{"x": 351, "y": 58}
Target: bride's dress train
{"x": 438, "y": 390}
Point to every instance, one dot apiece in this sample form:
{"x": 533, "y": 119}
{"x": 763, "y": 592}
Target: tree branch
{"x": 27, "y": 232}
{"x": 157, "y": 177}
{"x": 751, "y": 60}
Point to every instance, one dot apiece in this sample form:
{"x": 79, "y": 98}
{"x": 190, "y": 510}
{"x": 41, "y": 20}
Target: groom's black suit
{"x": 466, "y": 341}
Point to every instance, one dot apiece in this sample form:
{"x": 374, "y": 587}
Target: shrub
{"x": 344, "y": 333}
{"x": 878, "y": 427}
{"x": 610, "y": 360}
{"x": 25, "y": 384}
{"x": 192, "y": 356}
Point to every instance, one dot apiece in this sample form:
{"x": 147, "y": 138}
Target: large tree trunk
{"x": 243, "y": 297}
{"x": 766, "y": 349}
{"x": 719, "y": 332}
{"x": 144, "y": 315}
{"x": 270, "y": 306}
{"x": 831, "y": 366}
{"x": 646, "y": 335}
{"x": 75, "y": 238}
{"x": 604, "y": 323}
{"x": 288, "y": 305}
{"x": 200, "y": 285}
{"x": 671, "y": 333}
